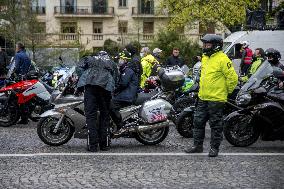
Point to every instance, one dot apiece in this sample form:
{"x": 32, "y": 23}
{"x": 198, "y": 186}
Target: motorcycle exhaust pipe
{"x": 142, "y": 128}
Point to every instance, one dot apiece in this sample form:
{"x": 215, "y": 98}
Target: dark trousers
{"x": 212, "y": 111}
{"x": 245, "y": 69}
{"x": 114, "y": 111}
{"x": 97, "y": 99}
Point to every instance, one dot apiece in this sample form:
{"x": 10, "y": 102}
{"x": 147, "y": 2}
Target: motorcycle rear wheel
{"x": 12, "y": 115}
{"x": 239, "y": 132}
{"x": 45, "y": 131}
{"x": 179, "y": 106}
{"x": 152, "y": 137}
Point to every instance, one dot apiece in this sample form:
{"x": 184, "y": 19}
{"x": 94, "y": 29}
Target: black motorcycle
{"x": 263, "y": 112}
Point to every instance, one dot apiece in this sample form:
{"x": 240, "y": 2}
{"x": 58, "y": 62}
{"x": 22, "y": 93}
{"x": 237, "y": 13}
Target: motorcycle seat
{"x": 143, "y": 97}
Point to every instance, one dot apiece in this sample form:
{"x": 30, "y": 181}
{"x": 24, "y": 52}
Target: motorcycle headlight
{"x": 243, "y": 99}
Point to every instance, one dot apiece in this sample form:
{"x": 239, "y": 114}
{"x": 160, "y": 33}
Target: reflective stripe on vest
{"x": 248, "y": 57}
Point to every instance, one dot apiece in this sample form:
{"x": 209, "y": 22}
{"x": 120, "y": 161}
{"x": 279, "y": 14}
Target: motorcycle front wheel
{"x": 152, "y": 137}
{"x": 184, "y": 124}
{"x": 46, "y": 132}
{"x": 239, "y": 131}
{"x": 10, "y": 115}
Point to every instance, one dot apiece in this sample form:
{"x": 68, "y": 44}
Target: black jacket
{"x": 98, "y": 71}
{"x": 126, "y": 90}
{"x": 173, "y": 61}
{"x": 135, "y": 63}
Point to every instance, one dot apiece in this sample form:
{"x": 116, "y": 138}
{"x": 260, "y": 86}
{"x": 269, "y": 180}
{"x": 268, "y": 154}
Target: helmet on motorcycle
{"x": 102, "y": 53}
{"x": 245, "y": 44}
{"x": 216, "y": 42}
{"x": 273, "y": 56}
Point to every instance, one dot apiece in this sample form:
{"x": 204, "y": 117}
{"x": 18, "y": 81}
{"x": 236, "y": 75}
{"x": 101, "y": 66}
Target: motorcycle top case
{"x": 171, "y": 79}
{"x": 154, "y": 111}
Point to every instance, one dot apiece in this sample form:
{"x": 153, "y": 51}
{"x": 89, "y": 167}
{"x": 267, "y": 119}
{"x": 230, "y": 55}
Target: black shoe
{"x": 213, "y": 152}
{"x": 194, "y": 149}
{"x": 23, "y": 121}
{"x": 92, "y": 148}
{"x": 104, "y": 148}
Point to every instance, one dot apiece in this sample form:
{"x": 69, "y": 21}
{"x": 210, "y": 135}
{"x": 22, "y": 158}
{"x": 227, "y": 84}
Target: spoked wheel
{"x": 47, "y": 133}
{"x": 152, "y": 137}
{"x": 239, "y": 131}
{"x": 184, "y": 124}
{"x": 10, "y": 115}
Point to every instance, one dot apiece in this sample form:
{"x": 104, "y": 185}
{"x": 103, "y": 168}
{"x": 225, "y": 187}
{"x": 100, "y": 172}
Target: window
{"x": 68, "y": 6}
{"x": 146, "y": 6}
{"x": 97, "y": 27}
{"x": 148, "y": 27}
{"x": 68, "y": 27}
{"x": 209, "y": 29}
{"x": 38, "y": 6}
{"x": 122, "y": 3}
{"x": 122, "y": 26}
{"x": 41, "y": 27}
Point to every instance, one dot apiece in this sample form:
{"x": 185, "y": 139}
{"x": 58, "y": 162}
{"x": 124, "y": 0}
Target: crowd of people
{"x": 110, "y": 86}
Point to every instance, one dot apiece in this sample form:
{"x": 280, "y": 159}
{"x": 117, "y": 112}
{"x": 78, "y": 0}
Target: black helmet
{"x": 125, "y": 55}
{"x": 273, "y": 55}
{"x": 215, "y": 40}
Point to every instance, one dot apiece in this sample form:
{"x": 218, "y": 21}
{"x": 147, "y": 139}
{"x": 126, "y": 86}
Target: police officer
{"x": 218, "y": 79}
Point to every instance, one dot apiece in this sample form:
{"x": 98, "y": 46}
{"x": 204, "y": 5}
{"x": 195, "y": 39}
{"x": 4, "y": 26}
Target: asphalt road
{"x": 26, "y": 162}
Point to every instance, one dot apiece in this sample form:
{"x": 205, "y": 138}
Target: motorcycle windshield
{"x": 264, "y": 71}
{"x": 65, "y": 77}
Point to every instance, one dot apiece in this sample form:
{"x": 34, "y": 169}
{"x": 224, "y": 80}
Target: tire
{"x": 179, "y": 106}
{"x": 161, "y": 134}
{"x": 184, "y": 124}
{"x": 45, "y": 127}
{"x": 13, "y": 115}
{"x": 239, "y": 131}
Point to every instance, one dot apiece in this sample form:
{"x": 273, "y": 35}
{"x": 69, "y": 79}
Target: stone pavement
{"x": 133, "y": 165}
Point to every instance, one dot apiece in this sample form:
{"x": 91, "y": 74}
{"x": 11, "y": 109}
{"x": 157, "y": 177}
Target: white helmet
{"x": 245, "y": 44}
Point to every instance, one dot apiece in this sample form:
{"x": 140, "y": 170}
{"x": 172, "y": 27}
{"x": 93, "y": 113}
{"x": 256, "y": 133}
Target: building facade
{"x": 90, "y": 22}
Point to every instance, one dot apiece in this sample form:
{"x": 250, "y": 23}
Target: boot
{"x": 24, "y": 121}
{"x": 194, "y": 149}
{"x": 213, "y": 152}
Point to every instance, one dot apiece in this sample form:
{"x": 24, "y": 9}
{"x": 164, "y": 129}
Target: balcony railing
{"x": 38, "y": 10}
{"x": 148, "y": 12}
{"x": 147, "y": 37}
{"x": 68, "y": 36}
{"x": 84, "y": 10}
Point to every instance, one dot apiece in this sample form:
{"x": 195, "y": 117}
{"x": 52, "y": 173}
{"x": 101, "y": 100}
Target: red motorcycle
{"x": 23, "y": 98}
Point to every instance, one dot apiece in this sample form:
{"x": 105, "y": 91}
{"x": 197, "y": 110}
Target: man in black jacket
{"x": 126, "y": 90}
{"x": 98, "y": 79}
{"x": 135, "y": 62}
{"x": 175, "y": 59}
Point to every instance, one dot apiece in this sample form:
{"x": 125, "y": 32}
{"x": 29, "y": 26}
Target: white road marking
{"x": 137, "y": 154}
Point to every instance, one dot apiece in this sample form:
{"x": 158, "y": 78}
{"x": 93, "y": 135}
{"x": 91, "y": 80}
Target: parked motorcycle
{"x": 147, "y": 120}
{"x": 31, "y": 96}
{"x": 263, "y": 115}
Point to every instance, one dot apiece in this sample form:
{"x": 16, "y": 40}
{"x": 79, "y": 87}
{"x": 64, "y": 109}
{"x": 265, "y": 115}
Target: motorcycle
{"x": 263, "y": 112}
{"x": 30, "y": 96}
{"x": 147, "y": 121}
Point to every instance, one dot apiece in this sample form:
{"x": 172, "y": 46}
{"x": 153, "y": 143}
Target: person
{"x": 218, "y": 79}
{"x": 135, "y": 62}
{"x": 148, "y": 61}
{"x": 175, "y": 59}
{"x": 258, "y": 59}
{"x": 98, "y": 80}
{"x": 273, "y": 57}
{"x": 246, "y": 59}
{"x": 22, "y": 61}
{"x": 3, "y": 62}
{"x": 196, "y": 67}
{"x": 126, "y": 89}
{"x": 157, "y": 53}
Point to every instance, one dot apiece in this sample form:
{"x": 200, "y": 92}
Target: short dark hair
{"x": 261, "y": 52}
{"x": 20, "y": 45}
{"x": 175, "y": 48}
